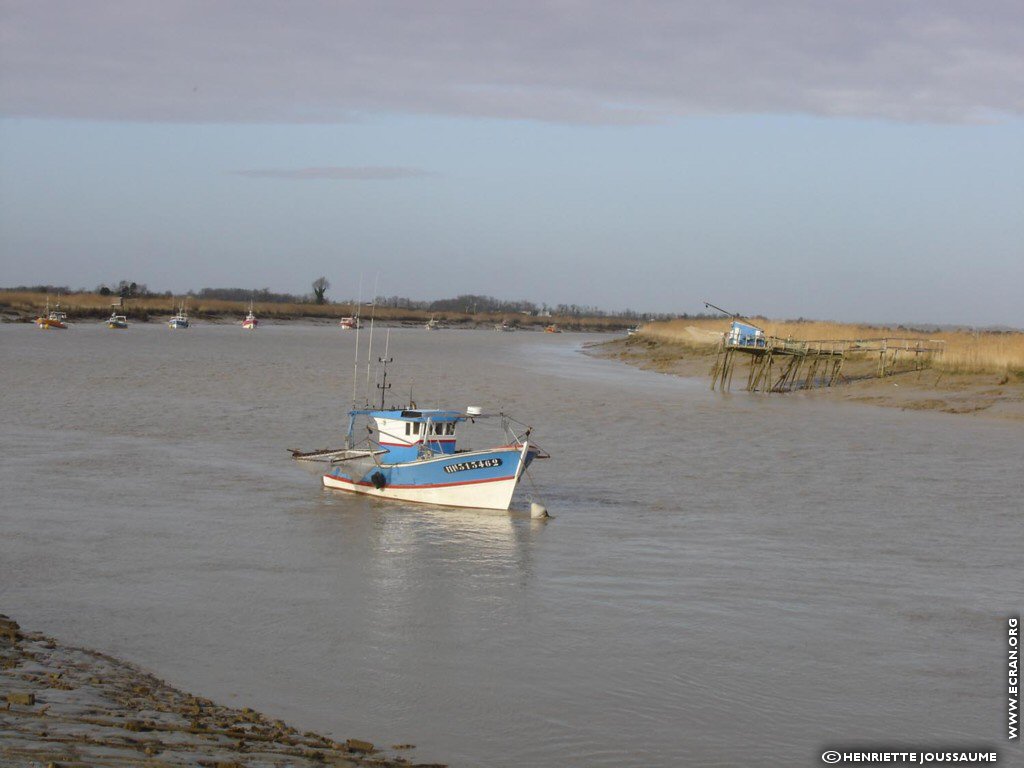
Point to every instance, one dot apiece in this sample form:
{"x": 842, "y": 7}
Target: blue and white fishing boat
{"x": 180, "y": 320}
{"x": 116, "y": 321}
{"x": 411, "y": 454}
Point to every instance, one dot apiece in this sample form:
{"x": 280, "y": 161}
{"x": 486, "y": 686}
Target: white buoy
{"x": 538, "y": 511}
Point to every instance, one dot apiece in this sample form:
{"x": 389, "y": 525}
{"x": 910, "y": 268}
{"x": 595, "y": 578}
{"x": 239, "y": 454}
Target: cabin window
{"x": 408, "y": 427}
{"x": 439, "y": 429}
{"x": 451, "y": 428}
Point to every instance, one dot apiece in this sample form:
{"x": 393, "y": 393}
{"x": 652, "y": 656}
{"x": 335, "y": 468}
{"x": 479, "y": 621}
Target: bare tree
{"x": 320, "y": 286}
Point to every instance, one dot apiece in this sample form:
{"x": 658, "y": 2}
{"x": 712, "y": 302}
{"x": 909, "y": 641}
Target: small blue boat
{"x": 116, "y": 321}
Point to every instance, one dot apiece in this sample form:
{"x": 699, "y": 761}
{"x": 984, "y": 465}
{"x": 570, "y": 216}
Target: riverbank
{"x": 71, "y": 707}
{"x": 25, "y": 307}
{"x": 992, "y": 395}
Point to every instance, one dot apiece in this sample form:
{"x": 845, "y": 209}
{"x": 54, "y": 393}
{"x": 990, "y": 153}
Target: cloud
{"x": 566, "y": 61}
{"x": 366, "y": 173}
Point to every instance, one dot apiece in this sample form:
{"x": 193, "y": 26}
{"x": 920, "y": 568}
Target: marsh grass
{"x": 964, "y": 351}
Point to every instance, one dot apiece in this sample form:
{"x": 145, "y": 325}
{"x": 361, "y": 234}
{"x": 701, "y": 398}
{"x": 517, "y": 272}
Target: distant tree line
{"x": 468, "y": 303}
{"x": 40, "y": 289}
{"x": 262, "y": 295}
{"x": 126, "y": 289}
{"x": 473, "y": 303}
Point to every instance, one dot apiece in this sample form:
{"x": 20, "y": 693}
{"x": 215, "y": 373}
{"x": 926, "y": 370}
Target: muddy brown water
{"x": 728, "y": 580}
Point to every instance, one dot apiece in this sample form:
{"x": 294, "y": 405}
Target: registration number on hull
{"x": 478, "y": 464}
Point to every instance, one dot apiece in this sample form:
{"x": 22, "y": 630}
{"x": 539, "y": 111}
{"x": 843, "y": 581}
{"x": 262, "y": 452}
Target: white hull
{"x": 485, "y": 493}
{"x": 488, "y": 494}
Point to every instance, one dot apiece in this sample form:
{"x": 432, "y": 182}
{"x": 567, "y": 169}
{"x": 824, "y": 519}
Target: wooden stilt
{"x": 717, "y": 367}
{"x": 810, "y": 364}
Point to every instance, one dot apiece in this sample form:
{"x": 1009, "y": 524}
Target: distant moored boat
{"x": 180, "y": 320}
{"x": 250, "y": 322}
{"x": 117, "y": 321}
{"x": 52, "y": 319}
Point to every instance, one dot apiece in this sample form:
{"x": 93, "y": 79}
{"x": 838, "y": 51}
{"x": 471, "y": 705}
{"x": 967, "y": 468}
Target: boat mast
{"x": 355, "y": 359}
{"x": 369, "y": 346}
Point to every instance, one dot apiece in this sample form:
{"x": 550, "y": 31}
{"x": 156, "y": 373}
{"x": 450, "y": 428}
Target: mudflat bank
{"x": 70, "y": 707}
{"x": 979, "y": 394}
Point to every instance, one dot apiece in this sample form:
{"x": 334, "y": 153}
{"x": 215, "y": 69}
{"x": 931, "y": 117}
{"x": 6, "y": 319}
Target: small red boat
{"x": 250, "y": 322}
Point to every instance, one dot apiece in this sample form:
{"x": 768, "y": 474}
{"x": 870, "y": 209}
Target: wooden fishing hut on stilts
{"x": 782, "y": 365}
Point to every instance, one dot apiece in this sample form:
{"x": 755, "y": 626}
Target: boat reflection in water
{"x": 406, "y": 547}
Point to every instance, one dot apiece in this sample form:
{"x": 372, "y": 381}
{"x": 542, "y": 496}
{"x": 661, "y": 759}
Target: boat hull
{"x": 480, "y": 479}
{"x": 47, "y": 324}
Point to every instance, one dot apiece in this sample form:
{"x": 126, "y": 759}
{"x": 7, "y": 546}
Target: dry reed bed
{"x": 86, "y": 305}
{"x": 965, "y": 351}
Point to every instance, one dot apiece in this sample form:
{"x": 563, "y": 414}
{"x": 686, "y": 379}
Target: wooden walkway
{"x": 782, "y": 365}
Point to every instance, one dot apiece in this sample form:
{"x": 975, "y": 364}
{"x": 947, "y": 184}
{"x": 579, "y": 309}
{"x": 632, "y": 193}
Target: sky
{"x": 859, "y": 161}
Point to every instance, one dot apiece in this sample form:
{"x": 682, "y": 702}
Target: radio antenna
{"x": 384, "y": 386}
